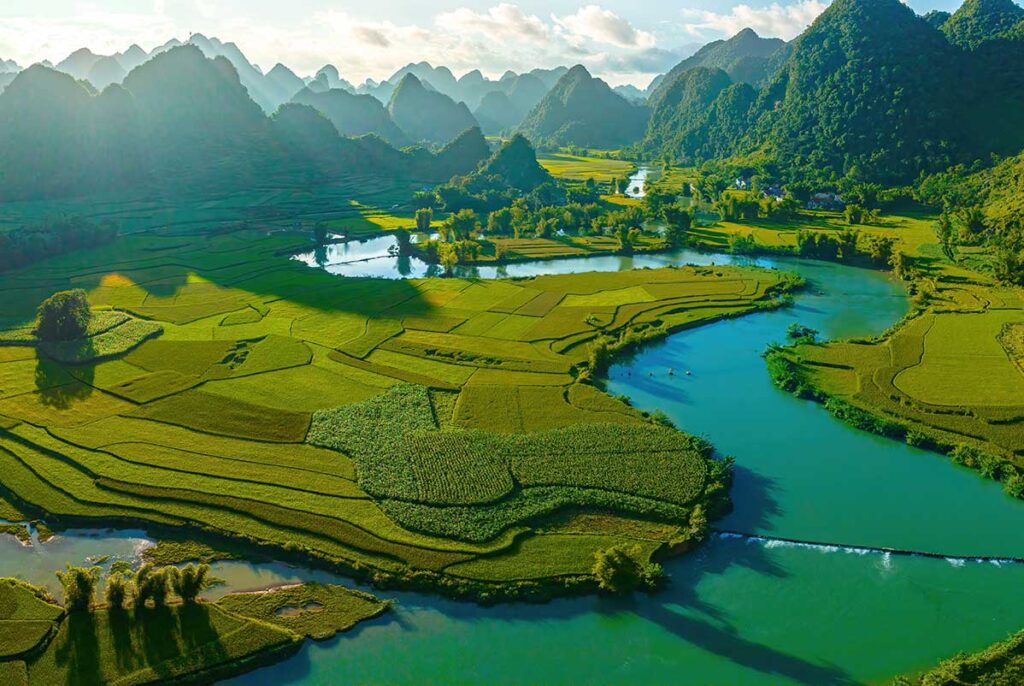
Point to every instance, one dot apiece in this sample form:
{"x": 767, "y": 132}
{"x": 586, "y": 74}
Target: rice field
{"x": 392, "y": 429}
{"x": 186, "y": 643}
{"x": 953, "y": 373}
{"x": 580, "y": 168}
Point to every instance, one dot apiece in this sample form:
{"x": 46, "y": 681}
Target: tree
{"x": 972, "y": 224}
{"x": 424, "y": 200}
{"x": 945, "y": 231}
{"x": 424, "y": 217}
{"x": 678, "y": 221}
{"x": 404, "y": 242}
{"x": 189, "y": 581}
{"x": 448, "y": 258}
{"x": 64, "y": 316}
{"x": 901, "y": 266}
{"x": 622, "y": 232}
{"x": 151, "y": 584}
{"x": 320, "y": 233}
{"x": 117, "y": 590}
{"x": 600, "y": 356}
{"x": 854, "y": 214}
{"x": 462, "y": 225}
{"x": 619, "y": 569}
{"x": 79, "y": 584}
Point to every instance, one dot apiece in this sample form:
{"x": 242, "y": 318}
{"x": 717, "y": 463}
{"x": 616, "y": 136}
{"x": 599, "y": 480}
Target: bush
{"x": 64, "y": 316}
{"x": 79, "y": 585}
{"x": 619, "y": 570}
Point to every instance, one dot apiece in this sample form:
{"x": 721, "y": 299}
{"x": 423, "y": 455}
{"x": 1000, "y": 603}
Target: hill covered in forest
{"x": 583, "y": 110}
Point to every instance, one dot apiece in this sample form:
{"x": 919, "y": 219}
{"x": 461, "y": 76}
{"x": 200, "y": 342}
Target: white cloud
{"x": 501, "y": 22}
{"x": 783, "y": 21}
{"x": 503, "y": 36}
{"x": 604, "y": 26}
{"x": 371, "y": 36}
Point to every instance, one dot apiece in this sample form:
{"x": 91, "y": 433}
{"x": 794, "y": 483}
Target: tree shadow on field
{"x": 126, "y": 657}
{"x": 57, "y": 387}
{"x": 78, "y": 654}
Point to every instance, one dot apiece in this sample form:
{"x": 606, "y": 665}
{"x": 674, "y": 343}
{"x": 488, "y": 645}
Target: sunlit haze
{"x": 622, "y": 41}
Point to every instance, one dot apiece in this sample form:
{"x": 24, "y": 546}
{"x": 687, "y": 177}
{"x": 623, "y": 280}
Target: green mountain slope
{"x": 702, "y": 115}
{"x": 354, "y": 115}
{"x": 746, "y": 58}
{"x": 582, "y": 110}
{"x": 426, "y": 115}
{"x": 515, "y": 163}
{"x": 978, "y": 21}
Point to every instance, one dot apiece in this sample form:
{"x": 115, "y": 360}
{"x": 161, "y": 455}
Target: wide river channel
{"x": 741, "y": 610}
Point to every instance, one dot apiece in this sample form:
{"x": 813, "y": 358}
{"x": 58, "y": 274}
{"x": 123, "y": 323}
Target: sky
{"x": 623, "y": 41}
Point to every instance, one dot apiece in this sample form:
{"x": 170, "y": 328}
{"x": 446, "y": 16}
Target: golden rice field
{"x": 953, "y": 373}
{"x": 235, "y": 418}
{"x": 578, "y": 168}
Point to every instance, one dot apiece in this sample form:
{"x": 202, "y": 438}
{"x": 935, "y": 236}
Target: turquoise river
{"x": 745, "y": 610}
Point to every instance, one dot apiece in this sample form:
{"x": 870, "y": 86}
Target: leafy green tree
{"x": 79, "y": 584}
{"x": 424, "y": 217}
{"x": 189, "y": 581}
{"x": 854, "y": 214}
{"x": 424, "y": 200}
{"x": 655, "y": 202}
{"x": 945, "y": 231}
{"x": 678, "y": 222}
{"x": 972, "y": 224}
{"x": 64, "y": 316}
{"x": 902, "y": 266}
{"x": 600, "y": 356}
{"x": 152, "y": 583}
{"x": 447, "y": 257}
{"x": 620, "y": 569}
{"x": 624, "y": 235}
{"x": 117, "y": 590}
{"x": 462, "y": 225}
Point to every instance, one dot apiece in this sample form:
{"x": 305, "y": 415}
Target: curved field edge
{"x": 73, "y": 458}
{"x": 858, "y": 381}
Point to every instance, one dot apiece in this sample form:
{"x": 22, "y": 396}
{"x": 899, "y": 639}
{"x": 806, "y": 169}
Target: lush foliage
{"x": 621, "y": 570}
{"x": 79, "y": 584}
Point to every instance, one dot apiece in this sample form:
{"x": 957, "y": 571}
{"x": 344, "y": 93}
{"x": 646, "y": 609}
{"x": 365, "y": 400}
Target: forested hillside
{"x": 583, "y": 110}
{"x": 865, "y": 93}
{"x": 182, "y": 123}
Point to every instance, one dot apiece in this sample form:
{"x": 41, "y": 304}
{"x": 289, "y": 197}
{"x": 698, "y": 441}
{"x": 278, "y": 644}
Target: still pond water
{"x": 739, "y": 611}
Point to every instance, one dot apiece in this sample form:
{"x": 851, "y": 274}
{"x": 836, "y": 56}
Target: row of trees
{"x": 149, "y": 586}
{"x": 53, "y": 236}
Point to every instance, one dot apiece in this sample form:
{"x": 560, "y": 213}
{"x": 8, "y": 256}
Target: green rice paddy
{"x": 268, "y": 409}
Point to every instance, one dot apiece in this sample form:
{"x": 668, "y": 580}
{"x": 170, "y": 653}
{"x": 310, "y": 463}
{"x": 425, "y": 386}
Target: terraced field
{"x": 951, "y": 376}
{"x": 240, "y": 417}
